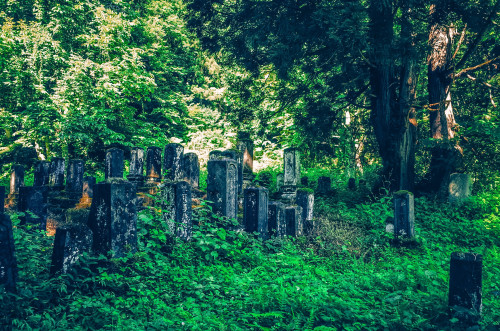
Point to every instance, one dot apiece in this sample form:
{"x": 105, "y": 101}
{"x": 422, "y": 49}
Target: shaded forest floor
{"x": 345, "y": 275}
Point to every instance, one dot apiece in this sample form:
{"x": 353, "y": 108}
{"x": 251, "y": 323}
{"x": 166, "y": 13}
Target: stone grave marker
{"x": 114, "y": 163}
{"x": 56, "y": 175}
{"x": 237, "y": 156}
{"x": 324, "y": 185}
{"x": 466, "y": 286}
{"x": 74, "y": 177}
{"x": 215, "y": 155}
{"x": 191, "y": 167}
{"x": 8, "y": 264}
{"x": 41, "y": 173}
{"x": 305, "y": 199}
{"x": 177, "y": 208}
{"x": 33, "y": 202}
{"x": 113, "y": 217}
{"x": 293, "y": 219}
{"x": 404, "y": 215}
{"x": 291, "y": 172}
{"x": 16, "y": 178}
{"x": 136, "y": 167}
{"x": 458, "y": 188}
{"x": 255, "y": 211}
{"x": 222, "y": 187}
{"x": 153, "y": 164}
{"x": 245, "y": 146}
{"x": 276, "y": 219}
{"x": 172, "y": 164}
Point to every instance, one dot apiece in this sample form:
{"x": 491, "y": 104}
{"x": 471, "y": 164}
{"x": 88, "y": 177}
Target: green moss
{"x": 402, "y": 192}
{"x": 305, "y": 190}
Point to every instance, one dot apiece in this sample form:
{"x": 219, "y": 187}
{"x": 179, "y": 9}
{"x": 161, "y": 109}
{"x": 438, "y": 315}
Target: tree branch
{"x": 466, "y": 70}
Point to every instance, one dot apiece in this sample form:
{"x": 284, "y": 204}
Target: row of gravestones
{"x": 111, "y": 217}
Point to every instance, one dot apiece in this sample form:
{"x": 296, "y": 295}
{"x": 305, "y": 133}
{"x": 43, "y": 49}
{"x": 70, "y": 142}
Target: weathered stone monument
{"x": 56, "y": 175}
{"x": 466, "y": 286}
{"x": 291, "y": 173}
{"x": 8, "y": 264}
{"x": 305, "y": 199}
{"x": 114, "y": 163}
{"x": 41, "y": 173}
{"x": 74, "y": 178}
{"x": 255, "y": 211}
{"x": 237, "y": 156}
{"x": 177, "y": 208}
{"x": 136, "y": 167}
{"x": 293, "y": 219}
{"x": 324, "y": 185}
{"x": 172, "y": 165}
{"x": 222, "y": 187}
{"x": 153, "y": 164}
{"x": 16, "y": 178}
{"x": 404, "y": 215}
{"x": 191, "y": 167}
{"x": 279, "y": 182}
{"x": 33, "y": 203}
{"x": 351, "y": 184}
{"x": 276, "y": 219}
{"x": 458, "y": 188}
{"x": 88, "y": 186}
{"x": 113, "y": 218}
{"x": 215, "y": 155}
{"x": 245, "y": 146}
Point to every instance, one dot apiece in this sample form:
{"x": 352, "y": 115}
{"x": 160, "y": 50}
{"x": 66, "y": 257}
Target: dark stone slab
{"x": 113, "y": 218}
{"x": 458, "y": 188}
{"x": 33, "y": 202}
{"x": 2, "y": 199}
{"x": 177, "y": 208}
{"x": 255, "y": 211}
{"x": 191, "y": 169}
{"x": 305, "y": 199}
{"x": 41, "y": 173}
{"x": 8, "y": 264}
{"x": 16, "y": 178}
{"x": 74, "y": 177}
{"x": 351, "y": 184}
{"x": 215, "y": 155}
{"x": 222, "y": 187}
{"x": 114, "y": 163}
{"x": 69, "y": 245}
{"x": 237, "y": 156}
{"x": 304, "y": 181}
{"x": 293, "y": 219}
{"x": 88, "y": 186}
{"x": 276, "y": 219}
{"x": 466, "y": 286}
{"x": 153, "y": 164}
{"x": 56, "y": 175}
{"x": 136, "y": 167}
{"x": 291, "y": 167}
{"x": 279, "y": 182}
{"x": 245, "y": 146}
{"x": 172, "y": 162}
{"x": 404, "y": 215}
{"x": 324, "y": 185}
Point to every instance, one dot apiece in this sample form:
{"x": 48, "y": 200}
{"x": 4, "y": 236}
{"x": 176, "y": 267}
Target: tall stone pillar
{"x": 56, "y": 175}
{"x": 172, "y": 162}
{"x": 255, "y": 211}
{"x": 276, "y": 219}
{"x": 41, "y": 173}
{"x": 305, "y": 199}
{"x": 404, "y": 215}
{"x": 293, "y": 219}
{"x": 177, "y": 208}
{"x": 74, "y": 177}
{"x": 291, "y": 173}
{"x": 153, "y": 164}
{"x": 237, "y": 156}
{"x": 246, "y": 146}
{"x": 222, "y": 187}
{"x": 114, "y": 163}
{"x": 191, "y": 167}
{"x": 136, "y": 168}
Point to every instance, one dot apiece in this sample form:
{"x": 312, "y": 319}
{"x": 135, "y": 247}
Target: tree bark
{"x": 445, "y": 155}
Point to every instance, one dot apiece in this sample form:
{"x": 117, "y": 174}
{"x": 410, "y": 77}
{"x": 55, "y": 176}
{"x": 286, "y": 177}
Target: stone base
{"x": 288, "y": 193}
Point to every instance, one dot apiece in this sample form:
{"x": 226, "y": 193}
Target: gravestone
{"x": 114, "y": 163}
{"x": 74, "y": 178}
{"x": 404, "y": 215}
{"x": 113, "y": 218}
{"x": 136, "y": 167}
{"x": 458, "y": 188}
{"x": 33, "y": 202}
{"x": 222, "y": 187}
{"x": 255, "y": 211}
{"x": 351, "y": 184}
{"x": 41, "y": 173}
{"x": 177, "y": 208}
{"x": 191, "y": 168}
{"x": 276, "y": 219}
{"x": 16, "y": 178}
{"x": 88, "y": 187}
{"x": 237, "y": 156}
{"x": 215, "y": 155}
{"x": 293, "y": 220}
{"x": 2, "y": 199}
{"x": 324, "y": 185}
{"x": 305, "y": 199}
{"x": 8, "y": 264}
{"x": 56, "y": 175}
{"x": 291, "y": 173}
{"x": 466, "y": 286}
{"x": 279, "y": 182}
{"x": 153, "y": 164}
{"x": 172, "y": 165}
{"x": 245, "y": 146}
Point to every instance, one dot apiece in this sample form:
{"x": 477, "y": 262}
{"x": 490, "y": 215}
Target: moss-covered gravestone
{"x": 305, "y": 199}
{"x": 74, "y": 178}
{"x": 153, "y": 164}
{"x": 56, "y": 174}
{"x": 293, "y": 219}
{"x": 172, "y": 162}
{"x": 222, "y": 187}
{"x": 33, "y": 203}
{"x": 255, "y": 202}
{"x": 41, "y": 173}
{"x": 136, "y": 167}
{"x": 237, "y": 156}
{"x": 404, "y": 215}
{"x": 113, "y": 218}
{"x": 176, "y": 203}
{"x": 113, "y": 167}
{"x": 276, "y": 219}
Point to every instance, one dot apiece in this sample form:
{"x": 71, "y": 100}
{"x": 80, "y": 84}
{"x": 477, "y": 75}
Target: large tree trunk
{"x": 445, "y": 155}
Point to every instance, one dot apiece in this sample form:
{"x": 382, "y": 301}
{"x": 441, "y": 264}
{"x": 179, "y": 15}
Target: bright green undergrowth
{"x": 346, "y": 275}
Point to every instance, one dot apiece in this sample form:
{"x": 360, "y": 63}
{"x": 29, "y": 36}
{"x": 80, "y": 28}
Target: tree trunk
{"x": 445, "y": 155}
